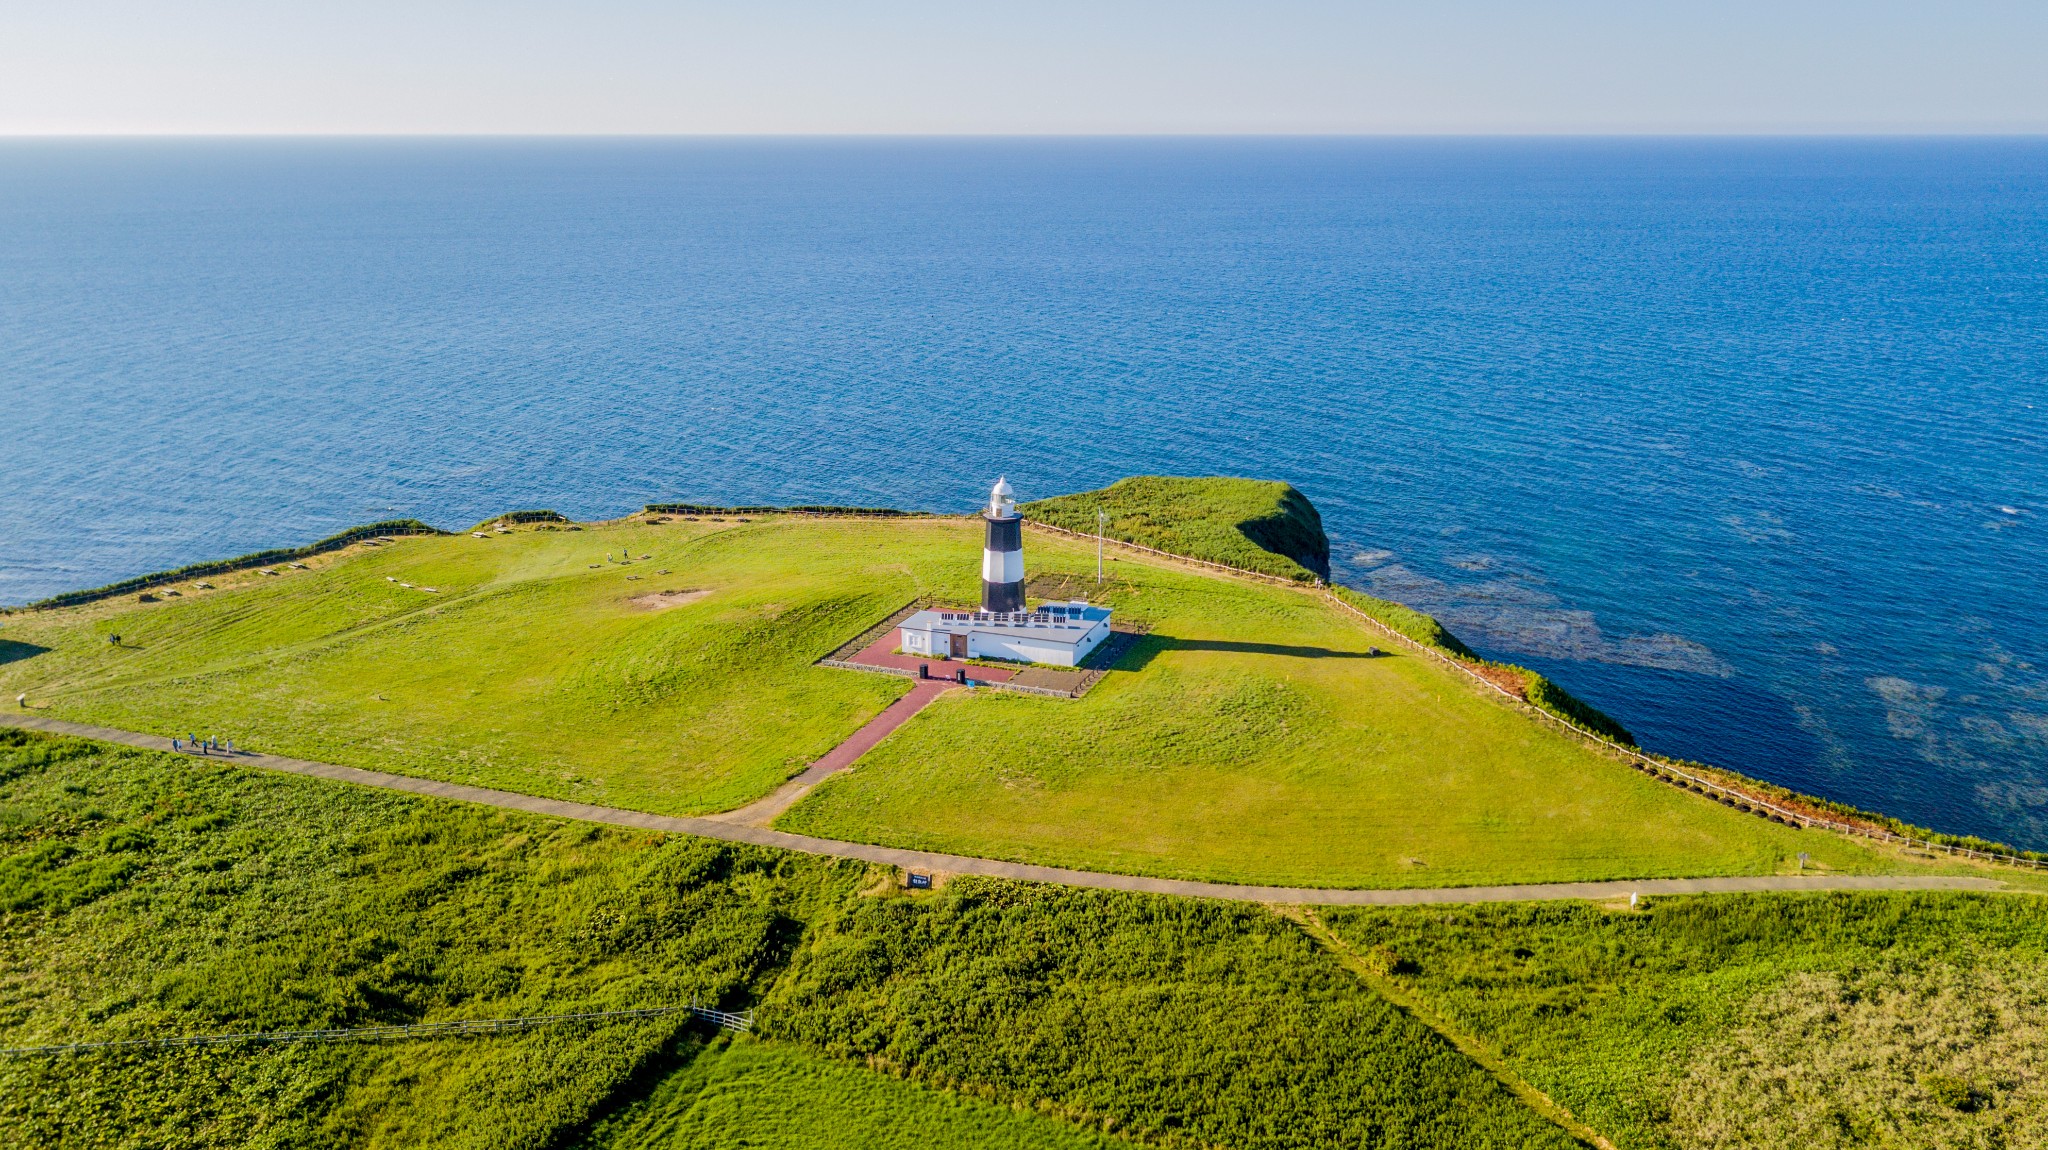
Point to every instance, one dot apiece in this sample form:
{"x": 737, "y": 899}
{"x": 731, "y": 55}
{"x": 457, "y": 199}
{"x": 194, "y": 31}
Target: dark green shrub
{"x": 223, "y": 566}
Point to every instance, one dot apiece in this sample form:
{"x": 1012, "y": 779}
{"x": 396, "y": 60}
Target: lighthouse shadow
{"x": 14, "y": 652}
{"x": 1152, "y": 646}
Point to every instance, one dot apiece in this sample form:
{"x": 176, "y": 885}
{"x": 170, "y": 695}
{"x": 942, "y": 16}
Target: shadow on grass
{"x": 1151, "y": 646}
{"x": 13, "y": 652}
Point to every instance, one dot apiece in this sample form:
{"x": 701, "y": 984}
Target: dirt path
{"x": 718, "y": 828}
{"x": 1470, "y": 1045}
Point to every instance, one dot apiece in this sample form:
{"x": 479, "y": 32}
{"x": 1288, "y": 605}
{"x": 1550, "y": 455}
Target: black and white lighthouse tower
{"x": 1002, "y": 558}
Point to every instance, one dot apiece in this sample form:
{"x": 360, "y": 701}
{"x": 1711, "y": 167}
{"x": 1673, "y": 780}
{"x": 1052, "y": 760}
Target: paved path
{"x": 957, "y": 864}
{"x": 762, "y": 812}
{"x": 882, "y": 653}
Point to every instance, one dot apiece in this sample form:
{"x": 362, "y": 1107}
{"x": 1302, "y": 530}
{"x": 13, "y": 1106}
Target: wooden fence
{"x": 1230, "y": 567}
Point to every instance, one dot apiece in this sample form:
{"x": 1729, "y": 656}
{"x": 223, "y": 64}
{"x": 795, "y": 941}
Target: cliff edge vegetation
{"x": 1252, "y": 524}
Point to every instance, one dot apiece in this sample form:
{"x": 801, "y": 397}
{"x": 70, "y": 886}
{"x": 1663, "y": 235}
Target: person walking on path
{"x": 21, "y": 700}
{"x": 174, "y": 742}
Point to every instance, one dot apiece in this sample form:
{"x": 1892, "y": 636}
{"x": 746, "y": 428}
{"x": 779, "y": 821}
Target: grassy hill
{"x": 145, "y": 894}
{"x": 1251, "y": 524}
{"x": 1250, "y": 737}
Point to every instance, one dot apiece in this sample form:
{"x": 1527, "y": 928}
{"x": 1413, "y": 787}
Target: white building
{"x": 1058, "y": 633}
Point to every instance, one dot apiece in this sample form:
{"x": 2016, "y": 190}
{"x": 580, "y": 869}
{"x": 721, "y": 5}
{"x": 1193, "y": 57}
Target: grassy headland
{"x": 1269, "y": 528}
{"x": 1254, "y": 525}
{"x": 1250, "y": 737}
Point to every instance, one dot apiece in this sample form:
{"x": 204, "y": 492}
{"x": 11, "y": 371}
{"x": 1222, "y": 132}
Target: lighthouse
{"x": 1002, "y": 557}
{"x": 1059, "y": 634}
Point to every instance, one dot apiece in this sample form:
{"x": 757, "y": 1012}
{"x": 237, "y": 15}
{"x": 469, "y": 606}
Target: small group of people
{"x": 207, "y": 746}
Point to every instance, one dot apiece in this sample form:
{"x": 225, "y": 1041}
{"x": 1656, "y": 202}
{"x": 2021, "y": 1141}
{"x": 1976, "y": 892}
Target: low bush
{"x": 1766, "y": 1022}
{"x": 540, "y": 516}
{"x": 145, "y": 895}
{"x": 1173, "y": 1022}
{"x": 1562, "y": 703}
{"x": 223, "y": 566}
{"x": 1405, "y": 620}
{"x": 801, "y": 508}
{"x": 1539, "y": 691}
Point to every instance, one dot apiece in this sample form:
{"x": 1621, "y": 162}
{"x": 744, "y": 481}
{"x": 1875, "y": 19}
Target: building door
{"x": 959, "y": 648}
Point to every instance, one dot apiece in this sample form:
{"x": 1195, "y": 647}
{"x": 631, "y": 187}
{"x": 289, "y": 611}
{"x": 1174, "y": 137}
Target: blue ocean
{"x": 1744, "y": 441}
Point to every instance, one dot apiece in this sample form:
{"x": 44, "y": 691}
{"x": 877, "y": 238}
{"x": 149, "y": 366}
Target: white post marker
{"x": 1101, "y": 521}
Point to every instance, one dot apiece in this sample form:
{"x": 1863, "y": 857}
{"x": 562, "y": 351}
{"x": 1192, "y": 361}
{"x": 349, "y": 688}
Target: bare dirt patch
{"x": 663, "y": 600}
{"x": 1500, "y": 677}
{"x": 1050, "y": 679}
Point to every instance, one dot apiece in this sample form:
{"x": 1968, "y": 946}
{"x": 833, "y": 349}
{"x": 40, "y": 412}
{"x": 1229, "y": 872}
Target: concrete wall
{"x": 1029, "y": 650}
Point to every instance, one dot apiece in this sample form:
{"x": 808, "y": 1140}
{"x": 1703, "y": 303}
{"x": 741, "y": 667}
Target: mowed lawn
{"x": 1251, "y": 739}
{"x": 527, "y": 668}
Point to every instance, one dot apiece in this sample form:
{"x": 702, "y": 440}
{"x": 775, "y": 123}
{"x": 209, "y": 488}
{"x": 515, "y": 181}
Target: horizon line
{"x": 1395, "y": 134}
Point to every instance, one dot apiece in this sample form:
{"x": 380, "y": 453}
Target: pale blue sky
{"x": 1047, "y": 66}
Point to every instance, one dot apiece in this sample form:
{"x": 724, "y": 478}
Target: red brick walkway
{"x": 881, "y": 653}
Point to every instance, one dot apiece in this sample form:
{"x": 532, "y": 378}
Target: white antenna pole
{"x": 1101, "y": 518}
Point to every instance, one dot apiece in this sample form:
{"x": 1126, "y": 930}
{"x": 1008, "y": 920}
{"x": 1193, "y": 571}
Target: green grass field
{"x": 739, "y": 1093}
{"x": 1752, "y": 1022}
{"x": 1174, "y": 1022}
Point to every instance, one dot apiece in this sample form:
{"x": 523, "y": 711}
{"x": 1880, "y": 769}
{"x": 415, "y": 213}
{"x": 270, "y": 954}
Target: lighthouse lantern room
{"x": 1002, "y": 557}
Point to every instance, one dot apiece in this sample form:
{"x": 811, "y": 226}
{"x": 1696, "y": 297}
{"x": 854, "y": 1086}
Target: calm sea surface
{"x": 1746, "y": 442}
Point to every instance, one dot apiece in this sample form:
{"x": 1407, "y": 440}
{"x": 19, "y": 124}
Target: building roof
{"x": 1060, "y": 622}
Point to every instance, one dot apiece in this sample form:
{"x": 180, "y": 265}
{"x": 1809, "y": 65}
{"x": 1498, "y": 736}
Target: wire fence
{"x": 1675, "y": 775}
{"x": 729, "y": 1020}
